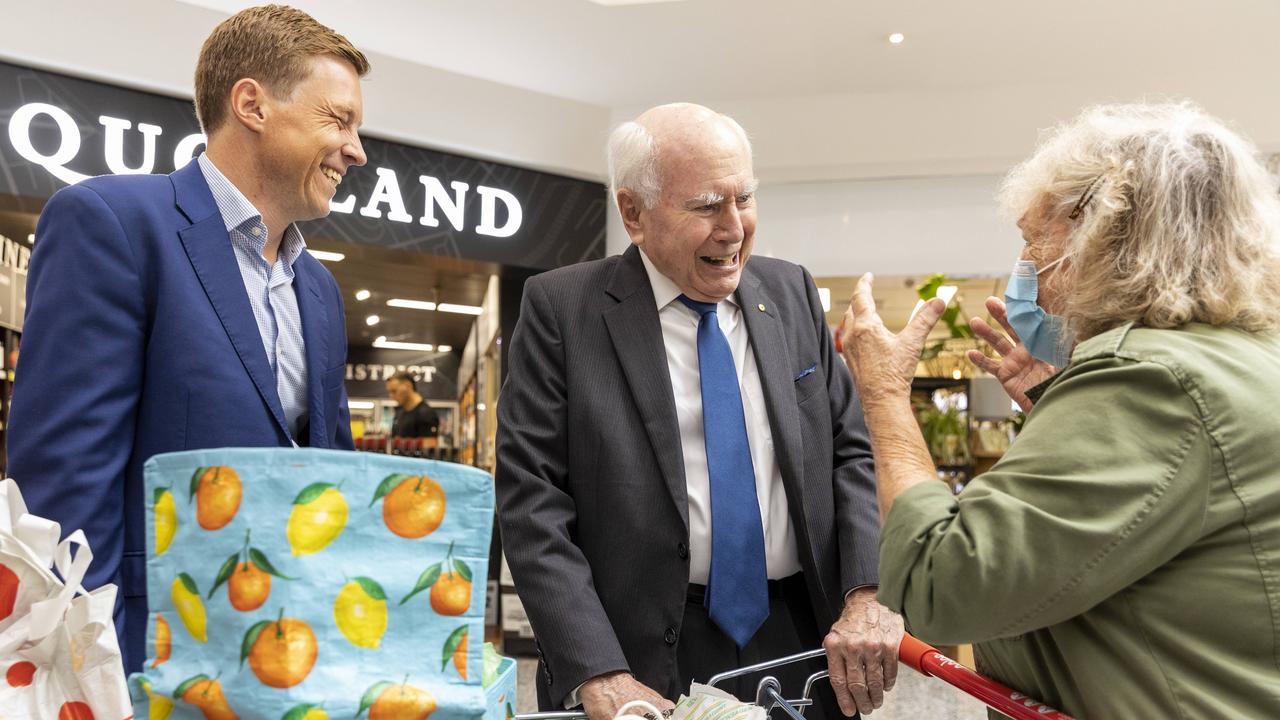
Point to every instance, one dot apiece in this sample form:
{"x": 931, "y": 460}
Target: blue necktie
{"x": 738, "y": 590}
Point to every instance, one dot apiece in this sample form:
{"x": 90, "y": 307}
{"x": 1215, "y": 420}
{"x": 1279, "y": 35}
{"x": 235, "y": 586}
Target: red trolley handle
{"x": 926, "y": 660}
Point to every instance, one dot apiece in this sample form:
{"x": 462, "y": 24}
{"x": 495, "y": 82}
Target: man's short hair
{"x": 403, "y": 376}
{"x": 272, "y": 44}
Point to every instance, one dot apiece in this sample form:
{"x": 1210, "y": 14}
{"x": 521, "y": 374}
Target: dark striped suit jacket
{"x": 590, "y": 479}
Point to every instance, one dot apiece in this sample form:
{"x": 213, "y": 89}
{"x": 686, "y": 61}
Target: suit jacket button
{"x": 683, "y": 551}
{"x": 670, "y": 636}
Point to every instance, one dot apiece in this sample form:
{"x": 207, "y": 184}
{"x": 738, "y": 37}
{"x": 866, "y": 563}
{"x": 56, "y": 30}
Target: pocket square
{"x": 807, "y": 371}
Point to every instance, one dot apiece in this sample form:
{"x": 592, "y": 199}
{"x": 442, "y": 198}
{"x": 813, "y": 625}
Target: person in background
{"x": 1120, "y": 559}
{"x": 684, "y": 481}
{"x": 414, "y": 417}
{"x": 177, "y": 312}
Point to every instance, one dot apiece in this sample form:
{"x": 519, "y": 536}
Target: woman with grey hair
{"x": 1123, "y": 558}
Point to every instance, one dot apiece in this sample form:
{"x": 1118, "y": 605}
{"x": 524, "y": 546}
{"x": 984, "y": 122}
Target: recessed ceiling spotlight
{"x": 372, "y": 320}
{"x": 363, "y": 295}
{"x": 897, "y": 38}
{"x": 445, "y": 348}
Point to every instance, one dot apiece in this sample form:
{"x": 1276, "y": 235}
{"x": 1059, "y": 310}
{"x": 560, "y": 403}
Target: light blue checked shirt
{"x": 270, "y": 289}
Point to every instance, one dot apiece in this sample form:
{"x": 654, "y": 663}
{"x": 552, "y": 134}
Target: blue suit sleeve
{"x": 342, "y": 423}
{"x": 79, "y": 375}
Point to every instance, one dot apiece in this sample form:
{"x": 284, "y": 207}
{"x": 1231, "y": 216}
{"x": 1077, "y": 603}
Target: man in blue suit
{"x": 177, "y": 312}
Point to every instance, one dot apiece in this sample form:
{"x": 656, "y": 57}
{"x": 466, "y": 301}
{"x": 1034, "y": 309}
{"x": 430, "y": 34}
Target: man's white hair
{"x": 633, "y": 160}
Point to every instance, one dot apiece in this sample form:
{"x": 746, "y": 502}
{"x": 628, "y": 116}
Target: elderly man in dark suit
{"x": 685, "y": 483}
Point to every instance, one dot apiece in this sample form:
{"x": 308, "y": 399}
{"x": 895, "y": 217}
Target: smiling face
{"x": 310, "y": 139}
{"x": 701, "y": 231}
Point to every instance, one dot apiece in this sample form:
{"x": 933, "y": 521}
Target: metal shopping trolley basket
{"x": 913, "y": 653}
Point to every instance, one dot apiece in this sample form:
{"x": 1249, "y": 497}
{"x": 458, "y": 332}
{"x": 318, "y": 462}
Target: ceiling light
{"x": 31, "y": 238}
{"x": 824, "y": 294}
{"x": 897, "y": 38}
{"x": 460, "y": 309}
{"x": 372, "y": 320}
{"x": 363, "y": 295}
{"x": 444, "y": 348}
{"x": 482, "y": 407}
{"x": 411, "y": 304}
{"x": 383, "y": 343}
{"x": 360, "y": 404}
{"x": 325, "y": 255}
{"x": 614, "y": 3}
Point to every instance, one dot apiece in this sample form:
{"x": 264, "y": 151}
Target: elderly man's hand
{"x": 602, "y": 696}
{"x": 862, "y": 652}
{"x": 1016, "y": 369}
{"x": 883, "y": 363}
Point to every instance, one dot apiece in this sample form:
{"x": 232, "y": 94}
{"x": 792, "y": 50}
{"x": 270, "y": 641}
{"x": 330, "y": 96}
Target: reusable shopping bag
{"x": 58, "y": 647}
{"x": 302, "y": 584}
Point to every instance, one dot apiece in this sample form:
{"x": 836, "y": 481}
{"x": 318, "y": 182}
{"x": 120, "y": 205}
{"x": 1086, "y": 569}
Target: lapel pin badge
{"x": 761, "y": 306}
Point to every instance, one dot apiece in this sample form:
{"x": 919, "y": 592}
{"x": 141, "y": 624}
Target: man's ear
{"x": 631, "y": 207}
{"x": 248, "y": 101}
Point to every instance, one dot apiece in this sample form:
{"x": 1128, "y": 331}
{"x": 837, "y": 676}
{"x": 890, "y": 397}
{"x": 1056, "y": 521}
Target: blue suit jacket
{"x": 139, "y": 339}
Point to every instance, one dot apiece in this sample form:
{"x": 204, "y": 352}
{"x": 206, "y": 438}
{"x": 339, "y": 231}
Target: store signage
{"x": 57, "y": 130}
{"x": 361, "y": 372}
{"x": 386, "y": 192}
{"x": 14, "y": 258}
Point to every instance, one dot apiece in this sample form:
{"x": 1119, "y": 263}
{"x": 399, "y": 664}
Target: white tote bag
{"x": 59, "y": 654}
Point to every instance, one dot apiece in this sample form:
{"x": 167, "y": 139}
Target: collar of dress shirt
{"x": 240, "y": 214}
{"x": 665, "y": 291}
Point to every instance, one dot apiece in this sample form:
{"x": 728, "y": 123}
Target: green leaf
{"x": 159, "y": 493}
{"x": 371, "y": 588}
{"x": 510, "y": 713}
{"x": 425, "y": 580}
{"x": 462, "y": 569}
{"x": 250, "y": 638}
{"x": 297, "y": 712}
{"x": 928, "y": 290}
{"x": 224, "y": 573}
{"x": 256, "y": 556}
{"x": 189, "y": 584}
{"x": 311, "y": 492}
{"x": 195, "y": 484}
{"x": 451, "y": 646}
{"x": 371, "y": 695}
{"x": 388, "y": 484}
{"x": 186, "y": 685}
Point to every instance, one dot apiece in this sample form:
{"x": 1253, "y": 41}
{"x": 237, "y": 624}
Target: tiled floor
{"x": 915, "y": 698}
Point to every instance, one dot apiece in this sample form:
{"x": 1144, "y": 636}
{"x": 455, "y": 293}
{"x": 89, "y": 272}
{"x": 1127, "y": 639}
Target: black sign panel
{"x": 56, "y": 130}
{"x": 368, "y": 369}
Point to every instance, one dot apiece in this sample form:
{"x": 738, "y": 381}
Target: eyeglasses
{"x": 1085, "y": 198}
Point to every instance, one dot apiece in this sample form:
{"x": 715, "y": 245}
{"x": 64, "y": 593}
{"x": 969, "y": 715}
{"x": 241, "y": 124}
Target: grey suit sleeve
{"x": 536, "y": 511}
{"x": 853, "y": 471}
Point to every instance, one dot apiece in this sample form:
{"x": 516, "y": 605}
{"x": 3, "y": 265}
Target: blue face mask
{"x": 1041, "y": 333}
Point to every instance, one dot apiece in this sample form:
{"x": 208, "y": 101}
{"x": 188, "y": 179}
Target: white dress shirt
{"x": 270, "y": 290}
{"x": 680, "y": 336}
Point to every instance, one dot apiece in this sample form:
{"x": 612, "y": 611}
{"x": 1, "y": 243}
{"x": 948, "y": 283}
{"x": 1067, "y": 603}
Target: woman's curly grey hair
{"x": 1176, "y": 219}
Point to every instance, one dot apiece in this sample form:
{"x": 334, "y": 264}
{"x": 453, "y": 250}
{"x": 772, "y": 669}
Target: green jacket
{"x": 1122, "y": 560}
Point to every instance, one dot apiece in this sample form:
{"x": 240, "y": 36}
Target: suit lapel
{"x": 777, "y": 379}
{"x": 314, "y": 321}
{"x": 209, "y": 249}
{"x": 637, "y": 340}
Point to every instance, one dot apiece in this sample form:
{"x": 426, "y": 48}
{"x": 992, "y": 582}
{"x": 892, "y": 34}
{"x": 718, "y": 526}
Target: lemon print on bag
{"x": 412, "y": 505}
{"x": 450, "y": 584}
{"x": 159, "y": 706}
{"x": 360, "y": 612}
{"x": 396, "y": 701}
{"x": 166, "y": 512}
{"x": 186, "y": 598}
{"x": 206, "y": 694}
{"x": 216, "y": 492}
{"x": 248, "y": 581}
{"x": 306, "y": 711}
{"x": 319, "y": 515}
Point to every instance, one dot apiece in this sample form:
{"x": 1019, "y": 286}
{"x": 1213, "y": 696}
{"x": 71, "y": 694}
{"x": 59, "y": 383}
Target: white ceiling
{"x": 633, "y": 55}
